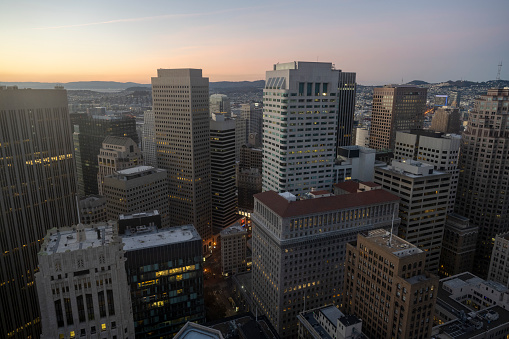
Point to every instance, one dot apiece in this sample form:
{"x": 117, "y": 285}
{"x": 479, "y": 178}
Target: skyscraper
{"x": 299, "y": 248}
{"x": 181, "y": 108}
{"x": 219, "y": 103}
{"x": 89, "y": 134}
{"x": 395, "y": 108}
{"x": 148, "y": 144}
{"x": 222, "y": 171}
{"x": 253, "y": 114}
{"x": 347, "y": 89}
{"x": 446, "y": 120}
{"x": 38, "y": 188}
{"x": 387, "y": 286}
{"x": 483, "y": 184}
{"x": 424, "y": 194}
{"x": 300, "y": 106}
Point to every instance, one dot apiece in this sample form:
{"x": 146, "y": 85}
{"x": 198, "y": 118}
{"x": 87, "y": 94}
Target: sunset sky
{"x": 383, "y": 41}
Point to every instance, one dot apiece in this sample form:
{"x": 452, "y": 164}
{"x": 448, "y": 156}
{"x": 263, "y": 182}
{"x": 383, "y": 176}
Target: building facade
{"x": 436, "y": 148}
{"x": 347, "y": 89}
{"x": 222, "y": 171}
{"x": 395, "y": 108}
{"x": 38, "y": 192}
{"x": 300, "y": 106}
{"x": 249, "y": 177}
{"x": 253, "y": 114}
{"x": 82, "y": 284}
{"x": 219, "y": 103}
{"x": 484, "y": 176}
{"x": 89, "y": 134}
{"x": 233, "y": 250}
{"x": 299, "y": 248}
{"x": 499, "y": 265}
{"x": 165, "y": 275}
{"x": 458, "y": 247}
{"x": 424, "y": 196}
{"x": 93, "y": 209}
{"x": 148, "y": 143}
{"x": 387, "y": 287}
{"x": 447, "y": 120}
{"x": 135, "y": 190}
{"x": 116, "y": 153}
{"x": 329, "y": 322}
{"x": 354, "y": 163}
{"x": 181, "y": 108}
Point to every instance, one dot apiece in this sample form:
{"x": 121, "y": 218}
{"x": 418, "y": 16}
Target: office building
{"x": 458, "y": 246}
{"x": 148, "y": 143}
{"x": 249, "y": 177}
{"x": 347, "y": 89}
{"x": 89, "y": 134}
{"x": 362, "y": 136}
{"x": 447, "y": 120}
{"x": 436, "y": 148}
{"x": 116, "y": 153}
{"x": 38, "y": 192}
{"x": 484, "y": 176}
{"x": 299, "y": 248}
{"x": 220, "y": 104}
{"x": 424, "y": 194}
{"x": 241, "y": 135}
{"x": 329, "y": 322}
{"x": 253, "y": 114}
{"x": 82, "y": 284}
{"x": 181, "y": 108}
{"x": 499, "y": 265}
{"x": 470, "y": 307}
{"x": 93, "y": 209}
{"x": 233, "y": 249}
{"x": 222, "y": 171}
{"x": 395, "y": 108}
{"x": 135, "y": 190}
{"x": 300, "y": 127}
{"x": 165, "y": 274}
{"x": 197, "y": 331}
{"x": 387, "y": 286}
{"x": 450, "y": 100}
{"x": 354, "y": 163}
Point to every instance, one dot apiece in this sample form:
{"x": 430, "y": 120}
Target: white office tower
{"x": 436, "y": 148}
{"x": 148, "y": 141}
{"x": 82, "y": 284}
{"x": 220, "y": 103}
{"x": 300, "y": 121}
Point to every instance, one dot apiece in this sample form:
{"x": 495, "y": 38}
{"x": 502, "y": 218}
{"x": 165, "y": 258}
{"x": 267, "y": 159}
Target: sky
{"x": 382, "y": 41}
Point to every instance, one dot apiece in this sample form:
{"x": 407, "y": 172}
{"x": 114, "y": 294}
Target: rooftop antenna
{"x": 392, "y": 227}
{"x": 499, "y": 70}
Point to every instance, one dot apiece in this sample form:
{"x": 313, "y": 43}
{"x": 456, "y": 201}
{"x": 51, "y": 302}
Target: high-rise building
{"x": 249, "y": 177}
{"x": 395, "y": 108}
{"x": 447, "y": 120}
{"x": 219, "y": 103}
{"x": 354, "y": 163}
{"x": 222, "y": 171}
{"x": 458, "y": 246}
{"x": 136, "y": 190}
{"x": 253, "y": 114}
{"x": 165, "y": 275}
{"x": 116, "y": 153}
{"x": 37, "y": 192}
{"x": 499, "y": 265}
{"x": 233, "y": 249}
{"x": 82, "y": 284}
{"x": 387, "y": 286}
{"x": 436, "y": 148}
{"x": 347, "y": 88}
{"x": 241, "y": 134}
{"x": 89, "y": 134}
{"x": 148, "y": 144}
{"x": 93, "y": 209}
{"x": 362, "y": 136}
{"x": 300, "y": 106}
{"x": 424, "y": 194}
{"x": 181, "y": 108}
{"x": 484, "y": 176}
{"x": 299, "y": 248}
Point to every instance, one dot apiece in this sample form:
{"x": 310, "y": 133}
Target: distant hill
{"x": 417, "y": 83}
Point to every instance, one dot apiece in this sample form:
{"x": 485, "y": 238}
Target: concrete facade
{"x": 233, "y": 250}
{"x": 447, "y": 120}
{"x": 148, "y": 141}
{"x": 82, "y": 284}
{"x": 354, "y": 163}
{"x": 93, "y": 209}
{"x": 499, "y": 265}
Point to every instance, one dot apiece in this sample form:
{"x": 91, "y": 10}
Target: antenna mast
{"x": 499, "y": 70}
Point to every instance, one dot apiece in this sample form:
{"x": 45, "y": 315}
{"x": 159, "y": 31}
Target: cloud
{"x": 156, "y": 17}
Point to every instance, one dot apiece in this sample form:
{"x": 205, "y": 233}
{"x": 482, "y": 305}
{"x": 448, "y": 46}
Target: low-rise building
{"x": 329, "y": 322}
{"x": 93, "y": 209}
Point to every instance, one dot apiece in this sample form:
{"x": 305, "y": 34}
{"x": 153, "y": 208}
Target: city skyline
{"x": 382, "y": 42}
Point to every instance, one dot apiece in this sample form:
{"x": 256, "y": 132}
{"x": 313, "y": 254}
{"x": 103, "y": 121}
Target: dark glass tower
{"x": 37, "y": 192}
{"x": 89, "y": 134}
{"x": 347, "y": 89}
{"x": 483, "y": 186}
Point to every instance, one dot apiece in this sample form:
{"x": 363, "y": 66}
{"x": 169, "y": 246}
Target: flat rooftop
{"x": 395, "y": 245}
{"x": 66, "y": 238}
{"x": 153, "y": 237}
{"x": 236, "y": 228}
{"x": 134, "y": 170}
